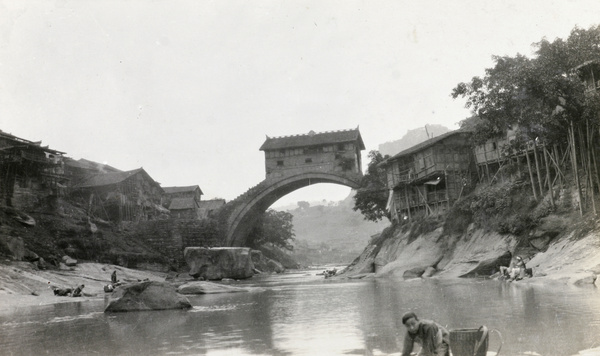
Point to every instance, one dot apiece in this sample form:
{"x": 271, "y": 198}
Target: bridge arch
{"x": 250, "y": 206}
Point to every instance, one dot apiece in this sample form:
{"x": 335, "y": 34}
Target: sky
{"x": 189, "y": 89}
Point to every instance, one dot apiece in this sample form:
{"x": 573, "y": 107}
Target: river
{"x": 300, "y": 313}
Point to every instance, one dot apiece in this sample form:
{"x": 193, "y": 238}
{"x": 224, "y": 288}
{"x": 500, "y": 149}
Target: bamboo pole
{"x": 407, "y": 203}
{"x": 550, "y": 185}
{"x": 530, "y": 174}
{"x": 574, "y": 163}
{"x": 537, "y": 169}
{"x": 589, "y": 161}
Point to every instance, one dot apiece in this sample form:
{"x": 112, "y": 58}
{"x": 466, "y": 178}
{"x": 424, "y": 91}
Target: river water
{"x": 301, "y": 313}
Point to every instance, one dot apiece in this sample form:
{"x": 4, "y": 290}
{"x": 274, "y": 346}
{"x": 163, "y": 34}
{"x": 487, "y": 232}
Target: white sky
{"x": 189, "y": 89}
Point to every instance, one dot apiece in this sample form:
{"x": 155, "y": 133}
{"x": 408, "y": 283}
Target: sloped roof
{"x": 211, "y": 204}
{"x": 191, "y": 188}
{"x": 182, "y": 204}
{"x": 104, "y": 179}
{"x": 87, "y": 164}
{"x": 313, "y": 139}
{"x": 428, "y": 143}
{"x": 21, "y": 141}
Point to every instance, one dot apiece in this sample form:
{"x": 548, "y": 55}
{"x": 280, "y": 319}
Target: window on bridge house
{"x": 279, "y": 163}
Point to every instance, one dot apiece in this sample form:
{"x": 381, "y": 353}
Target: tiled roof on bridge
{"x": 313, "y": 139}
{"x": 173, "y": 190}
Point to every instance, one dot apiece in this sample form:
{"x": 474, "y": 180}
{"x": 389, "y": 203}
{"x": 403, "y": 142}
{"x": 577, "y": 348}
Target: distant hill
{"x": 411, "y": 138}
{"x": 331, "y": 233}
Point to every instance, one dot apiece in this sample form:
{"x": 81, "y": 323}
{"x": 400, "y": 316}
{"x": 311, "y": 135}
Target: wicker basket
{"x": 469, "y": 342}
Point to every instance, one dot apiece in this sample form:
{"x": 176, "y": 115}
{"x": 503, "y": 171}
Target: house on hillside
{"x": 589, "y": 73}
{"x": 182, "y": 202}
{"x": 332, "y": 151}
{"x": 208, "y": 208}
{"x": 29, "y": 171}
{"x": 122, "y": 196}
{"x": 429, "y": 177}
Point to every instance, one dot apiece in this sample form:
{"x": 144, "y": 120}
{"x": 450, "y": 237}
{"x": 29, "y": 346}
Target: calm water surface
{"x": 304, "y": 314}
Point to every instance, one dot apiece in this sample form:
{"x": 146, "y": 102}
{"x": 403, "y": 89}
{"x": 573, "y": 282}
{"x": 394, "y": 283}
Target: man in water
{"x": 433, "y": 338}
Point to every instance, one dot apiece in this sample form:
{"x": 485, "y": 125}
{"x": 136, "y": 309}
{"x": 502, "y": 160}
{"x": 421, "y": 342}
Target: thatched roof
{"x": 313, "y": 139}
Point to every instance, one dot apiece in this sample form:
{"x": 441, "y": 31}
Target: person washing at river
{"x": 433, "y": 338}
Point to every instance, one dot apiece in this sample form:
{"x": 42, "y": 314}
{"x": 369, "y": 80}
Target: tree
{"x": 545, "y": 98}
{"x": 274, "y": 227}
{"x": 371, "y": 196}
{"x": 542, "y": 95}
{"x": 303, "y": 205}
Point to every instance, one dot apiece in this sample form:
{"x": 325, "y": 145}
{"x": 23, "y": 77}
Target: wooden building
{"x": 122, "y": 196}
{"x": 429, "y": 177}
{"x": 29, "y": 172}
{"x": 332, "y": 151}
{"x": 589, "y": 73}
{"x": 183, "y": 202}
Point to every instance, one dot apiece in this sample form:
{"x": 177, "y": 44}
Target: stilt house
{"x": 29, "y": 171}
{"x": 429, "y": 177}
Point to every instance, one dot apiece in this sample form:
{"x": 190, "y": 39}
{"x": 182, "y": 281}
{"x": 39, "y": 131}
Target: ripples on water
{"x": 304, "y": 314}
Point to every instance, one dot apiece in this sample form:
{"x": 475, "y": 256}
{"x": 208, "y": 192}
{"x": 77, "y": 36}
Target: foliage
{"x": 540, "y": 95}
{"x": 507, "y": 209}
{"x": 371, "y": 196}
{"x": 303, "y": 205}
{"x": 274, "y": 227}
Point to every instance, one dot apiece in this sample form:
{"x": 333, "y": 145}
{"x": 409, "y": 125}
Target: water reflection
{"x": 306, "y": 315}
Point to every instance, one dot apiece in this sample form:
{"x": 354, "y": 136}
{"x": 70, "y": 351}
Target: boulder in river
{"x": 219, "y": 262}
{"x": 148, "y": 295}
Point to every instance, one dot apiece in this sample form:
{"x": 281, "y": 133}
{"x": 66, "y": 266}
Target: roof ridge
{"x": 308, "y": 134}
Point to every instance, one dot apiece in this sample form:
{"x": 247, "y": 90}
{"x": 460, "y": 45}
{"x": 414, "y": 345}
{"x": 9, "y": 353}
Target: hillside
{"x": 411, "y": 138}
{"x": 332, "y": 233}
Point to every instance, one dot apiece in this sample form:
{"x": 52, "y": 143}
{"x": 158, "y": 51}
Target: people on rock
{"x": 78, "y": 291}
{"x": 433, "y": 338}
{"x": 517, "y": 270}
{"x": 113, "y": 277}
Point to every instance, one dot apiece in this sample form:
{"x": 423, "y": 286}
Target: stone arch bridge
{"x": 291, "y": 163}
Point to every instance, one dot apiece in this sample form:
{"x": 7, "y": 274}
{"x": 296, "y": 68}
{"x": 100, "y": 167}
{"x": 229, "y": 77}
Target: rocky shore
{"x": 23, "y": 285}
{"x": 571, "y": 256}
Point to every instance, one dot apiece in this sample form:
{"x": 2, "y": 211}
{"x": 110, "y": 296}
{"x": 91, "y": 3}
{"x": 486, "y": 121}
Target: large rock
{"x": 69, "y": 261}
{"x": 416, "y": 272}
{"x": 207, "y": 288}
{"x": 585, "y": 278}
{"x": 148, "y": 295}
{"x": 490, "y": 266}
{"x": 219, "y": 262}
{"x": 265, "y": 264}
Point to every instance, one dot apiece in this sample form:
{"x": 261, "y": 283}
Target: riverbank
{"x": 23, "y": 285}
{"x": 569, "y": 258}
